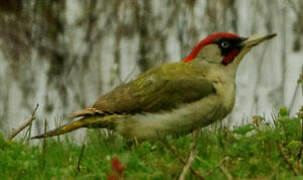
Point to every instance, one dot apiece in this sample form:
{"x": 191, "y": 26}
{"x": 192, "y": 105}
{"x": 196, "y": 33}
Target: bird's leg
{"x": 194, "y": 133}
{"x": 136, "y": 141}
{"x": 191, "y": 156}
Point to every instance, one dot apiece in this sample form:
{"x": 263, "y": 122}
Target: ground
{"x": 260, "y": 149}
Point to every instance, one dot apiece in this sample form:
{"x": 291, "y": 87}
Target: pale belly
{"x": 179, "y": 121}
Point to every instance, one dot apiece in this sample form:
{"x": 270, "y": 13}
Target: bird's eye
{"x": 225, "y": 44}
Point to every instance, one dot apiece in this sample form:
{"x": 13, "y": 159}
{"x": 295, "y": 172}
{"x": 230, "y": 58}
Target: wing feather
{"x": 161, "y": 88}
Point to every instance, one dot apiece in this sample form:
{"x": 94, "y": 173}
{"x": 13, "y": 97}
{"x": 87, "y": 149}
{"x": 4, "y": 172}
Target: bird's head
{"x": 224, "y": 48}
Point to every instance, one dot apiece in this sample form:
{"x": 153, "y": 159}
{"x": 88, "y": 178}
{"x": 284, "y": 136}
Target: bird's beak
{"x": 248, "y": 43}
{"x": 256, "y": 39}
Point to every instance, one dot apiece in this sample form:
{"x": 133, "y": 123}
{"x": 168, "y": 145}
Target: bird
{"x": 174, "y": 98}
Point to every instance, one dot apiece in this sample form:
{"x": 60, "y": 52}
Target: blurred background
{"x": 64, "y": 54}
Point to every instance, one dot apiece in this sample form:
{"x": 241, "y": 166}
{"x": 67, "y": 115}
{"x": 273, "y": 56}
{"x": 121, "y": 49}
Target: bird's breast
{"x": 224, "y": 84}
{"x": 227, "y": 94}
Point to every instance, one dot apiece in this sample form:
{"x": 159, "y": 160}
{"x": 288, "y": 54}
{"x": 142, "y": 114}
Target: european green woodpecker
{"x": 174, "y": 98}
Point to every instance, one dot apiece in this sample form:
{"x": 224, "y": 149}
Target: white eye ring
{"x": 225, "y": 44}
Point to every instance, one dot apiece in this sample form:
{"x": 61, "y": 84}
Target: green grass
{"x": 251, "y": 149}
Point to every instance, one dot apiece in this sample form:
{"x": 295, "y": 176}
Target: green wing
{"x": 159, "y": 89}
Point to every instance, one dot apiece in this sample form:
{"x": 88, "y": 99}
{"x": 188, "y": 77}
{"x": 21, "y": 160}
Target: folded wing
{"x": 159, "y": 89}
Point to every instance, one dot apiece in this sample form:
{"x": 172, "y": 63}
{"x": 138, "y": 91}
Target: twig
{"x": 44, "y": 144}
{"x": 44, "y": 137}
{"x": 221, "y": 163}
{"x": 188, "y": 164}
{"x": 226, "y": 172}
{"x": 80, "y": 157}
{"x": 300, "y": 82}
{"x": 193, "y": 153}
{"x": 172, "y": 149}
{"x": 301, "y": 79}
{"x": 274, "y": 118}
{"x": 25, "y": 124}
{"x": 286, "y": 159}
{"x": 294, "y": 97}
{"x": 300, "y": 115}
{"x": 28, "y": 132}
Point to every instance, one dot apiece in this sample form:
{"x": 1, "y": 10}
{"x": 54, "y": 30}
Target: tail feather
{"x": 62, "y": 130}
{"x": 86, "y": 112}
{"x": 88, "y": 122}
